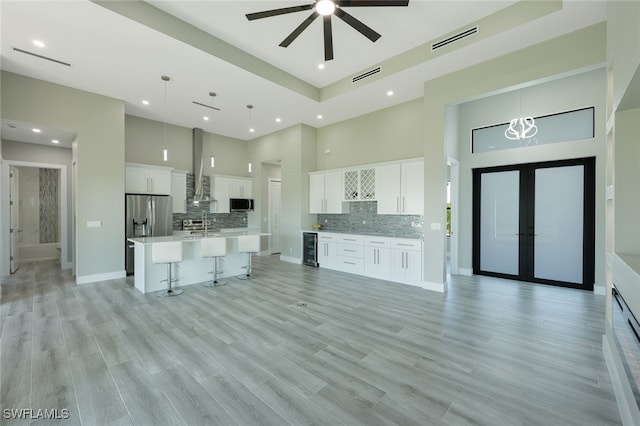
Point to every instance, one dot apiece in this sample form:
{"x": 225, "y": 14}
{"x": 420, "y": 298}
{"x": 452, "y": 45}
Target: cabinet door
{"x": 137, "y": 180}
{"x": 413, "y": 188}
{"x": 316, "y": 193}
{"x": 327, "y": 254}
{"x": 388, "y": 189}
{"x": 160, "y": 181}
{"x": 377, "y": 262}
{"x": 222, "y": 195}
{"x": 333, "y": 192}
{"x": 246, "y": 189}
{"x": 179, "y": 191}
{"x": 413, "y": 267}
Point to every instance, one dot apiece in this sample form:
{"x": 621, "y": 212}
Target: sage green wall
{"x": 623, "y": 45}
{"x": 393, "y": 133}
{"x": 569, "y": 93}
{"x": 144, "y": 142}
{"x": 577, "y": 50}
{"x": 36, "y": 153}
{"x": 99, "y": 123}
{"x": 296, "y": 148}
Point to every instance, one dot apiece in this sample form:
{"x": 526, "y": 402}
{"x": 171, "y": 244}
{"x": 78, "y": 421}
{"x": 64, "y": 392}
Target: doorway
{"x": 536, "y": 222}
{"x": 43, "y": 233}
{"x": 275, "y": 189}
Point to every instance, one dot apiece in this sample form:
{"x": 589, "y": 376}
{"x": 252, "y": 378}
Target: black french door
{"x": 536, "y": 222}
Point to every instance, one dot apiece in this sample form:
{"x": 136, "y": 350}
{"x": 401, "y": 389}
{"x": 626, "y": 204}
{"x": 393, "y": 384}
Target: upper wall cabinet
{"x": 326, "y": 193}
{"x": 226, "y": 187}
{"x": 179, "y": 191}
{"x": 400, "y": 188}
{"x": 142, "y": 179}
{"x": 360, "y": 185}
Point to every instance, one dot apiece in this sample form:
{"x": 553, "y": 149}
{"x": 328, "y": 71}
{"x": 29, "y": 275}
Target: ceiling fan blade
{"x": 357, "y": 25}
{"x": 287, "y": 41}
{"x": 328, "y": 38}
{"x": 276, "y": 12}
{"x": 372, "y": 3}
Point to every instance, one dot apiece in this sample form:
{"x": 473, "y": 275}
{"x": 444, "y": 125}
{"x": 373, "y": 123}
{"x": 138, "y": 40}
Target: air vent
{"x": 206, "y": 106}
{"x": 454, "y": 38}
{"x": 41, "y": 56}
{"x": 365, "y": 75}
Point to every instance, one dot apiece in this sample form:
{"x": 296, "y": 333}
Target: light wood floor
{"x": 298, "y": 345}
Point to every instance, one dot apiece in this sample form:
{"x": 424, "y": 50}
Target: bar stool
{"x": 168, "y": 252}
{"x": 214, "y": 247}
{"x": 248, "y": 244}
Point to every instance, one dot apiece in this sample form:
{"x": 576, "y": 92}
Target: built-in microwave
{"x": 241, "y": 204}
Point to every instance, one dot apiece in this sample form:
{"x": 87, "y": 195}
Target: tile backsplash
{"x": 363, "y": 218}
{"x": 218, "y": 220}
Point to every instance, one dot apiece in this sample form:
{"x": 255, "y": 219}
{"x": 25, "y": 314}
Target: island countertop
{"x": 194, "y": 268}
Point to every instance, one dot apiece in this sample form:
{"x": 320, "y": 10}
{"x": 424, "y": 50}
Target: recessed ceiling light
{"x": 278, "y": 120}
{"x": 55, "y": 141}
{"x": 390, "y": 93}
{"x": 205, "y": 118}
{"x": 145, "y": 102}
{"x": 38, "y": 43}
{"x": 319, "y": 117}
{"x": 36, "y": 130}
{"x": 252, "y": 130}
{"x": 320, "y": 66}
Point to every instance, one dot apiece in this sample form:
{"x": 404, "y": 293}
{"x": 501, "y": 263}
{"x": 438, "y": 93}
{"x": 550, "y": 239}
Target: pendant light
{"x": 251, "y": 129}
{"x": 213, "y": 158}
{"x": 521, "y": 127}
{"x": 165, "y": 151}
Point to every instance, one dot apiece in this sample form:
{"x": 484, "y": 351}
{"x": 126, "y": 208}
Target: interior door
{"x": 536, "y": 222}
{"x": 275, "y": 188}
{"x": 14, "y": 207}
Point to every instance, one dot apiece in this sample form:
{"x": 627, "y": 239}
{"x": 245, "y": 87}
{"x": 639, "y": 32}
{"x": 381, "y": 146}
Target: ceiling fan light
{"x": 325, "y": 7}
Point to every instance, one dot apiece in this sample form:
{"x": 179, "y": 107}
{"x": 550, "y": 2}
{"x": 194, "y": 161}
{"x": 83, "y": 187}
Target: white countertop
{"x": 187, "y": 238}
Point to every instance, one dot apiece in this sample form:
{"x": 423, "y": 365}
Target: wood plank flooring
{"x": 299, "y": 345}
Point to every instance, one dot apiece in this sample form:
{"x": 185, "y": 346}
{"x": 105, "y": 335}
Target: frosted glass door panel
{"x": 559, "y": 223}
{"x": 499, "y": 213}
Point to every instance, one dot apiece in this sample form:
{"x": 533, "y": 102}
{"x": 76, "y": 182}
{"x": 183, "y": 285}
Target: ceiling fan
{"x": 326, "y": 8}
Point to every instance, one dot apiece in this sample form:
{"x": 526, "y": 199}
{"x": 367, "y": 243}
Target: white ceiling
{"x": 116, "y": 56}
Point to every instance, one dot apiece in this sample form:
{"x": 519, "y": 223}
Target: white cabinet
{"x": 325, "y": 193}
{"x": 226, "y": 187}
{"x": 350, "y": 254}
{"x": 327, "y": 251}
{"x": 400, "y": 188}
{"x": 377, "y": 257}
{"x": 141, "y": 179}
{"x": 179, "y": 191}
{"x": 406, "y": 261}
{"x": 360, "y": 185}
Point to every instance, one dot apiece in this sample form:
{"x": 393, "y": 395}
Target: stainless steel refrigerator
{"x": 145, "y": 216}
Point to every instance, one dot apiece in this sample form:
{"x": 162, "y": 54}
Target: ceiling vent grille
{"x": 26, "y": 52}
{"x": 454, "y": 38}
{"x": 365, "y": 75}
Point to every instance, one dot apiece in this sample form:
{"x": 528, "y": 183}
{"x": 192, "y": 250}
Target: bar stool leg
{"x": 170, "y": 291}
{"x": 247, "y": 276}
{"x": 215, "y": 282}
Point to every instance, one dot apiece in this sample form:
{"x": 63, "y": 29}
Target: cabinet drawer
{"x": 350, "y": 250}
{"x": 406, "y": 244}
{"x": 327, "y": 237}
{"x": 351, "y": 239}
{"x": 382, "y": 242}
{"x": 352, "y": 265}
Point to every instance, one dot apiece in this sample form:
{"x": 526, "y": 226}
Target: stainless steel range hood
{"x": 198, "y": 168}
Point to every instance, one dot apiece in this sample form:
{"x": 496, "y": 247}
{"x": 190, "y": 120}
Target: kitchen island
{"x": 194, "y": 268}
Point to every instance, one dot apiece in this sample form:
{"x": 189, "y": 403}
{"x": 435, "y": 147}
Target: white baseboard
{"x": 627, "y": 406}
{"x": 465, "y": 271}
{"x": 86, "y": 279}
{"x": 291, "y": 259}
{"x": 438, "y": 287}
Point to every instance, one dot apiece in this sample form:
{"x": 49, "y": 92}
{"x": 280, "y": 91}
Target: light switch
{"x": 94, "y": 224}
{"x": 436, "y": 227}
